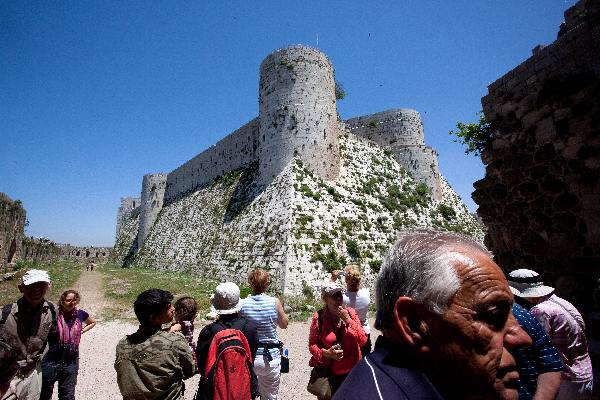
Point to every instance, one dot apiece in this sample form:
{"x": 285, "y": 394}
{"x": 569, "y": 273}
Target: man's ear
{"x": 410, "y": 323}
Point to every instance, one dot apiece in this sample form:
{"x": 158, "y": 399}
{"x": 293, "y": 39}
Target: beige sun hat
{"x": 226, "y": 299}
{"x": 527, "y": 283}
{"x": 35, "y": 275}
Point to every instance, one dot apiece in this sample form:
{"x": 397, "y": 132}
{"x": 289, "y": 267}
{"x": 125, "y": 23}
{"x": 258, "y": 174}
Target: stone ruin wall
{"x": 540, "y": 198}
{"x": 153, "y": 194}
{"x": 12, "y": 226}
{"x": 126, "y": 209}
{"x": 85, "y": 253}
{"x": 298, "y": 115}
{"x": 236, "y": 150}
{"x": 401, "y": 130}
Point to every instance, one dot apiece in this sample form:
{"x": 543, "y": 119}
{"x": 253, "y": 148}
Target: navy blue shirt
{"x": 387, "y": 373}
{"x": 540, "y": 358}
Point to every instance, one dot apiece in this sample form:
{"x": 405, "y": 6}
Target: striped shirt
{"x": 262, "y": 309}
{"x": 538, "y": 359}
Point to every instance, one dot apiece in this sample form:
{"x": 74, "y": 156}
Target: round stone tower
{"x": 298, "y": 115}
{"x": 153, "y": 193}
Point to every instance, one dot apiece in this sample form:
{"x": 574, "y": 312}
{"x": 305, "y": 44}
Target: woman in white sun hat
{"x": 566, "y": 329}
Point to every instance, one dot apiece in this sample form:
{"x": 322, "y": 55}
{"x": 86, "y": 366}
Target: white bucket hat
{"x": 329, "y": 288}
{"x": 527, "y": 283}
{"x": 35, "y": 275}
{"x": 226, "y": 299}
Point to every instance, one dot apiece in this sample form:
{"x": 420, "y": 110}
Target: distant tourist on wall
{"x": 30, "y": 320}
{"x": 186, "y": 309}
{"x": 565, "y": 327}
{"x": 358, "y": 298}
{"x": 167, "y": 359}
{"x": 61, "y": 362}
{"x": 9, "y": 354}
{"x": 267, "y": 313}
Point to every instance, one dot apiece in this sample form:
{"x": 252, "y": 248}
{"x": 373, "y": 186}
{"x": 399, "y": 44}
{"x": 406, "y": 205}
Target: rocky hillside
{"x": 300, "y": 226}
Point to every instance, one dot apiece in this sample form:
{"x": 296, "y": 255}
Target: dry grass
{"x": 63, "y": 274}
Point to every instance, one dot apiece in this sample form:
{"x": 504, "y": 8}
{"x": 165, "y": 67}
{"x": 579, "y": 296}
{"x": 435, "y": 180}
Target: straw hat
{"x": 527, "y": 283}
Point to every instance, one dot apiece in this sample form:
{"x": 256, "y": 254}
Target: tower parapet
{"x": 153, "y": 192}
{"x": 401, "y": 130}
{"x": 396, "y": 127}
{"x": 298, "y": 115}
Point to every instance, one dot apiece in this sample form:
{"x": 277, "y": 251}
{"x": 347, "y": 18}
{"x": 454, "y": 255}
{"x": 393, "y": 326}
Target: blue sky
{"x": 93, "y": 95}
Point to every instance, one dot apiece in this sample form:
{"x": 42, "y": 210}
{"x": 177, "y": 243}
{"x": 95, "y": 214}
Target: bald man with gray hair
{"x": 444, "y": 310}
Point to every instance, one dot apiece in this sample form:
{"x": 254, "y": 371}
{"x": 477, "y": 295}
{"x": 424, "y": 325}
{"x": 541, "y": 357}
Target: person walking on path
{"x": 152, "y": 363}
{"x": 267, "y": 313}
{"x": 61, "y": 362}
{"x": 566, "y": 329}
{"x": 30, "y": 320}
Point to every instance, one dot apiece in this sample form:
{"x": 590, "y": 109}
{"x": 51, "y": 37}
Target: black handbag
{"x": 319, "y": 384}
{"x": 285, "y": 361}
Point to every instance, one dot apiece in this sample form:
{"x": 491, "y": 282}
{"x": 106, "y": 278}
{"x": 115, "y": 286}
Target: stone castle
{"x": 296, "y": 141}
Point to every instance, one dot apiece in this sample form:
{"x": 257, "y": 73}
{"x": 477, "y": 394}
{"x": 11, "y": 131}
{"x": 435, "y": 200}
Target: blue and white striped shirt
{"x": 262, "y": 309}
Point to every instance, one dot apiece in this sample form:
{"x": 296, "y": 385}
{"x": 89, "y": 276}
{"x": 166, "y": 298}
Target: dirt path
{"x": 97, "y": 378}
{"x": 89, "y": 285}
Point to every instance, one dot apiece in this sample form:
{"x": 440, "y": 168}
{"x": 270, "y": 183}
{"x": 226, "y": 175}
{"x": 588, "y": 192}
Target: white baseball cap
{"x": 527, "y": 283}
{"x": 226, "y": 299}
{"x": 35, "y": 275}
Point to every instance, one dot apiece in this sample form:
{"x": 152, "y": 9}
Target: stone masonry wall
{"x": 396, "y": 127}
{"x": 236, "y": 150}
{"x": 153, "y": 193}
{"x": 402, "y": 131}
{"x": 127, "y": 207}
{"x": 540, "y": 198}
{"x": 298, "y": 115}
{"x": 12, "y": 225}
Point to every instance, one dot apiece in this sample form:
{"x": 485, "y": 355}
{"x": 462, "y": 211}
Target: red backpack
{"x": 228, "y": 374}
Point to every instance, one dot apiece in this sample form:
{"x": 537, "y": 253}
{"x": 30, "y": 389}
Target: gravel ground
{"x": 97, "y": 378}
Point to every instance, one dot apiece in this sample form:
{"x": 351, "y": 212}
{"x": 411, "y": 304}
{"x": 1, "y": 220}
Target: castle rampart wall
{"x": 422, "y": 163}
{"x": 540, "y": 197}
{"x": 128, "y": 205}
{"x": 396, "y": 127}
{"x": 234, "y": 151}
{"x": 298, "y": 115}
{"x": 153, "y": 192}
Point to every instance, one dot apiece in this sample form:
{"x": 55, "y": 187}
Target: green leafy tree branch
{"x": 475, "y": 136}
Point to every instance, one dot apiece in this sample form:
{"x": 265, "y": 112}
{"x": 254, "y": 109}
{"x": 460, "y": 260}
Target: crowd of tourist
{"x": 453, "y": 326}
